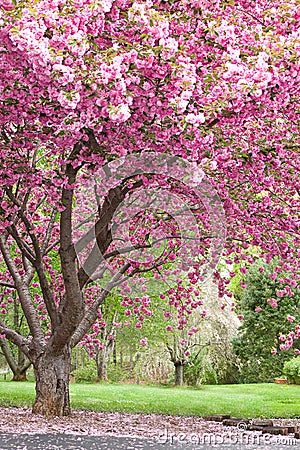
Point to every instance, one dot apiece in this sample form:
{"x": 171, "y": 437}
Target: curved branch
{"x": 24, "y": 294}
{"x": 16, "y": 338}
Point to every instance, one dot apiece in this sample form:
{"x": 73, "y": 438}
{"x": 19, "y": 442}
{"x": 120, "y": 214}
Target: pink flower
{"x": 280, "y": 292}
{"x": 274, "y": 351}
{"x": 168, "y": 328}
{"x": 144, "y": 342}
{"x": 194, "y": 329}
{"x": 258, "y": 309}
{"x": 291, "y": 318}
{"x": 297, "y": 351}
{"x": 187, "y": 353}
{"x": 272, "y": 302}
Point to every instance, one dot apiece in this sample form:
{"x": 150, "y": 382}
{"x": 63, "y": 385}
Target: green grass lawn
{"x": 243, "y": 400}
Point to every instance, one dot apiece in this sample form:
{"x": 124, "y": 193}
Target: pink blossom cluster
{"x": 90, "y": 82}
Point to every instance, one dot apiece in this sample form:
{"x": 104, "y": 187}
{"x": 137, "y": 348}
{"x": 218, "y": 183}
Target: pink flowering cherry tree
{"x": 85, "y": 83}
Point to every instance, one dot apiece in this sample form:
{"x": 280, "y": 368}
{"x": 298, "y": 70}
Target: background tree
{"x": 268, "y": 312}
{"x": 195, "y": 340}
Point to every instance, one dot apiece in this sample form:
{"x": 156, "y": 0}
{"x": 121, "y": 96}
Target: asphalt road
{"x": 14, "y": 441}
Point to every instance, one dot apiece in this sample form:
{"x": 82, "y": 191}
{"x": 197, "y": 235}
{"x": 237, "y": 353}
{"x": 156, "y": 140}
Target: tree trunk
{"x": 101, "y": 360}
{"x": 20, "y": 376}
{"x": 52, "y": 384}
{"x": 18, "y": 367}
{"x": 115, "y": 355}
{"x": 131, "y": 363}
{"x": 178, "y": 374}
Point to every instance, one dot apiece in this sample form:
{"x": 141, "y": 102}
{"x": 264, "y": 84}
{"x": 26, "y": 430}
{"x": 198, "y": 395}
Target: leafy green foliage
{"x": 260, "y": 331}
{"x": 215, "y": 365}
{"x": 200, "y": 370}
{"x": 86, "y": 374}
{"x": 291, "y": 369}
{"x": 116, "y": 374}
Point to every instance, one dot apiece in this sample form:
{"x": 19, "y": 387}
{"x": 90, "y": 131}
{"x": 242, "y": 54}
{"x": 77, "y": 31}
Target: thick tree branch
{"x": 92, "y": 313}
{"x": 72, "y": 306}
{"x": 16, "y": 338}
{"x": 101, "y": 232}
{"x": 9, "y": 285}
{"x": 24, "y": 295}
{"x": 8, "y": 355}
{"x": 23, "y": 246}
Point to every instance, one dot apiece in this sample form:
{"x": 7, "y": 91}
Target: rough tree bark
{"x": 178, "y": 373}
{"x": 178, "y": 359}
{"x": 20, "y": 376}
{"x": 52, "y": 384}
{"x": 101, "y": 361}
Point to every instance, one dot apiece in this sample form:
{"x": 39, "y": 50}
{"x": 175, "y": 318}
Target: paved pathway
{"x": 13, "y": 441}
